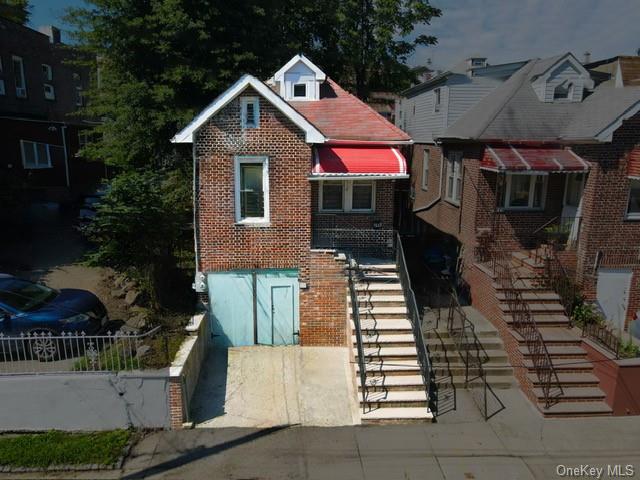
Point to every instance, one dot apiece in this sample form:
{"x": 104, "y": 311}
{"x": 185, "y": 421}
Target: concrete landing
{"x": 262, "y": 387}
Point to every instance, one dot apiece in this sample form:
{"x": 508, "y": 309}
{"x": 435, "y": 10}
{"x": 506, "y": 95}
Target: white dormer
{"x": 564, "y": 81}
{"x": 299, "y": 79}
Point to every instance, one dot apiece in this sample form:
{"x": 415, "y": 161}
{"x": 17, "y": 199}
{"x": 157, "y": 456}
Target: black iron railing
{"x": 604, "y": 335}
{"x": 473, "y": 356}
{"x": 355, "y": 316}
{"x": 524, "y": 322}
{"x": 414, "y": 317}
{"x": 557, "y": 278}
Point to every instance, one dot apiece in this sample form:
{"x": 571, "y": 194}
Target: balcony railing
{"x": 359, "y": 243}
{"x": 561, "y": 232}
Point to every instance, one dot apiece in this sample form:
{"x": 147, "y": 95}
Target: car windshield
{"x": 24, "y": 296}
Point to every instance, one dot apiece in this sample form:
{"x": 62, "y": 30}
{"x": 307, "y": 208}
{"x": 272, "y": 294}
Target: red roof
{"x": 341, "y": 116}
{"x": 634, "y": 163}
{"x": 358, "y": 160}
{"x": 539, "y": 159}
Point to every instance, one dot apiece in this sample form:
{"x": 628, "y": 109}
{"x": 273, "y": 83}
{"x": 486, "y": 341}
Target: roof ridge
{"x": 515, "y": 89}
{"x": 379, "y": 118}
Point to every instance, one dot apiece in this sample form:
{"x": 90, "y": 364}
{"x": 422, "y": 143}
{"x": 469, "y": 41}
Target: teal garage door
{"x": 254, "y": 307}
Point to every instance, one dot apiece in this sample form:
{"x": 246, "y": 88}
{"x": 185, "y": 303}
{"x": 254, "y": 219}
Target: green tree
{"x": 17, "y": 11}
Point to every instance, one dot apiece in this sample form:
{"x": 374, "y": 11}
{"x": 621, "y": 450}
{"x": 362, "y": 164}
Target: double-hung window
{"x": 35, "y": 155}
{"x": 18, "y": 76}
{"x": 2, "y": 90}
{"x": 252, "y": 189}
{"x": 425, "y": 170}
{"x": 454, "y": 177}
{"x": 633, "y": 209}
{"x": 525, "y": 191}
{"x": 347, "y": 196}
{"x": 249, "y": 112}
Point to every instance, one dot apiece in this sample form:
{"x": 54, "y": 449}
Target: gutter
{"x": 332, "y": 141}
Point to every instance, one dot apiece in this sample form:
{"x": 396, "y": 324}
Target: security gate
{"x": 257, "y": 307}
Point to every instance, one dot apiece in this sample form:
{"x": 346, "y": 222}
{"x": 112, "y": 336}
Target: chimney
{"x": 587, "y": 57}
{"x": 52, "y": 32}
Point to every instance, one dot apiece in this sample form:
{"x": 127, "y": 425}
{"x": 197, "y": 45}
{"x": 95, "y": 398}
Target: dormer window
{"x": 249, "y": 112}
{"x": 564, "y": 91}
{"x": 300, "y": 90}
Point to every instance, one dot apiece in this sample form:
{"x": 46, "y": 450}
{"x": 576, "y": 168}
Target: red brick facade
{"x": 605, "y": 199}
{"x": 286, "y": 241}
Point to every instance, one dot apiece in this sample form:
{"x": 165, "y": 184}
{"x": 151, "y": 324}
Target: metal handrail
{"x": 558, "y": 279}
{"x": 414, "y": 317}
{"x": 524, "y": 322}
{"x": 604, "y": 336}
{"x": 355, "y": 314}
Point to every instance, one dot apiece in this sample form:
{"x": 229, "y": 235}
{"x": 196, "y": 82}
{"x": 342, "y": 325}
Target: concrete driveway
{"x": 273, "y": 386}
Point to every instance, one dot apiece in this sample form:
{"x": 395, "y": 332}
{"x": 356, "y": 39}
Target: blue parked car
{"x": 27, "y": 308}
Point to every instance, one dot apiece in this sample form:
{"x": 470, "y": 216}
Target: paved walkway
{"x": 515, "y": 444}
{"x": 266, "y": 386}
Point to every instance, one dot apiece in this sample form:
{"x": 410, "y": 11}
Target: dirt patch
{"x": 97, "y": 280}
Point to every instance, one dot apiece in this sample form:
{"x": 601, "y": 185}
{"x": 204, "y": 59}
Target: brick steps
{"x": 574, "y": 393}
{"x": 564, "y": 351}
{"x": 584, "y": 379}
{"x": 544, "y": 319}
{"x": 390, "y": 326}
{"x": 538, "y": 308}
{"x": 577, "y": 409}
{"x": 554, "y": 336}
{"x": 564, "y": 365}
{"x": 396, "y": 415}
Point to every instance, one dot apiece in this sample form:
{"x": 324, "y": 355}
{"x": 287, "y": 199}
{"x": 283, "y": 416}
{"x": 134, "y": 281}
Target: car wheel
{"x": 44, "y": 347}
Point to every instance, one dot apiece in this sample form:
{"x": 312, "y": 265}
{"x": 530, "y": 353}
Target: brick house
{"x": 518, "y": 151}
{"x": 39, "y": 92}
{"x": 284, "y": 172}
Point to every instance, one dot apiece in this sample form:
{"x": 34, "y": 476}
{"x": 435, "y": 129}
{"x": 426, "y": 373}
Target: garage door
{"x": 257, "y": 307}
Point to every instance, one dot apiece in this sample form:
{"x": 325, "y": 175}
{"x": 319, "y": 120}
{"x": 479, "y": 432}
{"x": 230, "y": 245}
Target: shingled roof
{"x": 341, "y": 116}
{"x": 514, "y": 112}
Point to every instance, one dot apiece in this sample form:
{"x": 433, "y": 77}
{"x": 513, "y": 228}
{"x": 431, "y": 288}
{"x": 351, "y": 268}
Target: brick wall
{"x": 285, "y": 242}
{"x": 604, "y": 223}
{"x": 323, "y": 305}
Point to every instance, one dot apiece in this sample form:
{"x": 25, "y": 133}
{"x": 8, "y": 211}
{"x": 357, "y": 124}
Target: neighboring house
{"x": 518, "y": 156}
{"x": 40, "y": 138}
{"x": 283, "y": 171}
{"x": 551, "y": 141}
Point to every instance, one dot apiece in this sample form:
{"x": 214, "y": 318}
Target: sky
{"x": 501, "y": 30}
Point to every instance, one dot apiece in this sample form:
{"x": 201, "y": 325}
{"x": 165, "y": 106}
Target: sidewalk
{"x": 515, "y": 444}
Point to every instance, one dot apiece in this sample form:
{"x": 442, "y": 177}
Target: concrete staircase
{"x": 448, "y": 366}
{"x": 581, "y": 394}
{"x": 394, "y": 388}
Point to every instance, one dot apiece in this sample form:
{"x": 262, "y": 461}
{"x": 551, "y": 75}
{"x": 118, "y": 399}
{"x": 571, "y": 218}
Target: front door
{"x": 612, "y": 293}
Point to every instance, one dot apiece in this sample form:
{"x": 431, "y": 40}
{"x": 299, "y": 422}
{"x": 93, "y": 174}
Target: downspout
{"x": 196, "y": 230}
{"x": 439, "y": 197}
{"x": 63, "y": 129}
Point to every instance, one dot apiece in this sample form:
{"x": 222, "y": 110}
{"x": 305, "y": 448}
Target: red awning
{"x": 634, "y": 163}
{"x": 359, "y": 161}
{"x": 537, "y": 159}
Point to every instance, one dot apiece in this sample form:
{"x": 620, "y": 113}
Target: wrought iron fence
{"x": 557, "y": 278}
{"x": 604, "y": 335}
{"x": 359, "y": 242}
{"x": 71, "y": 352}
{"x": 414, "y": 317}
{"x": 617, "y": 257}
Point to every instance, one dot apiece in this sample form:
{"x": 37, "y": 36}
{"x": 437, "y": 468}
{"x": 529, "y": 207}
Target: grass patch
{"x": 42, "y": 450}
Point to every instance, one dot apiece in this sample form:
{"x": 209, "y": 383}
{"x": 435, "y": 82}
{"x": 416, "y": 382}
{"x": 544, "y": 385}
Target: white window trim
{"x": 631, "y": 216}
{"x": 23, "y": 144}
{"x": 437, "y": 99}
{"x": 426, "y": 159}
{"x": 23, "y": 78}
{"x": 532, "y": 184}
{"x": 300, "y": 97}
{"x": 347, "y": 198}
{"x": 453, "y": 196}
{"x": 244, "y": 101}
{"x": 52, "y": 95}
{"x": 49, "y": 76}
{"x": 261, "y": 221}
